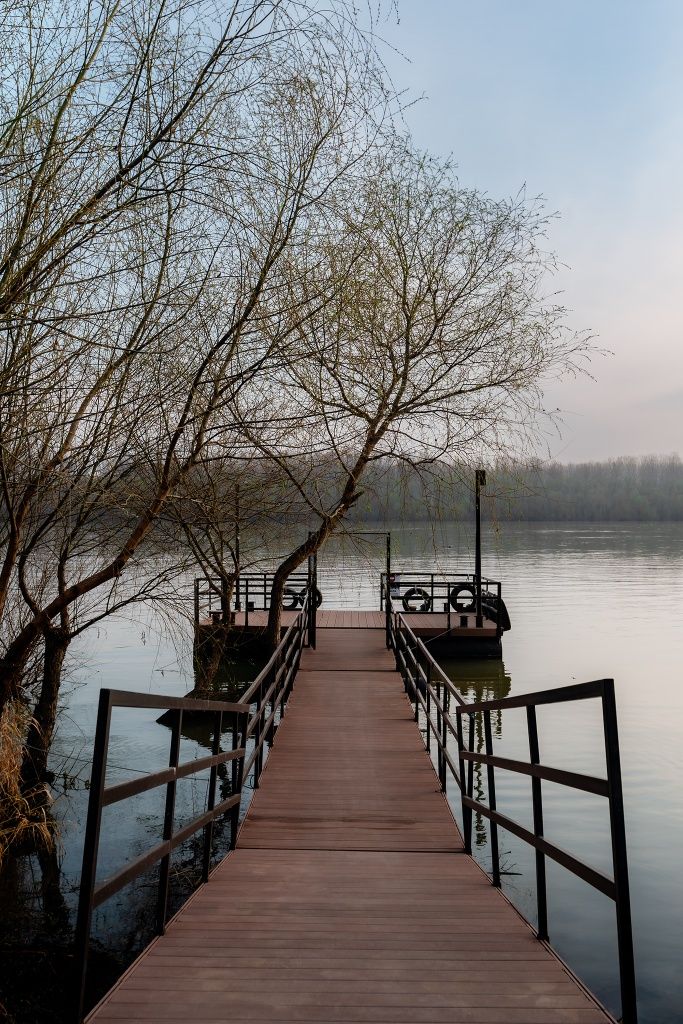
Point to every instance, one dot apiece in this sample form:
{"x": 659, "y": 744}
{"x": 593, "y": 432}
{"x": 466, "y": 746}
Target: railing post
{"x": 287, "y": 667}
{"x": 309, "y": 618}
{"x": 470, "y": 781}
{"x": 277, "y": 665}
{"x": 239, "y": 738}
{"x": 629, "y": 1010}
{"x": 428, "y": 701}
{"x": 90, "y": 848}
{"x": 444, "y": 744}
{"x": 465, "y": 788}
{"x": 387, "y": 612}
{"x": 537, "y": 799}
{"x": 169, "y": 815}
{"x": 314, "y": 603}
{"x": 211, "y": 796}
{"x": 416, "y": 680}
{"x": 257, "y": 736}
{"x": 439, "y": 719}
{"x": 491, "y": 782}
{"x": 196, "y": 601}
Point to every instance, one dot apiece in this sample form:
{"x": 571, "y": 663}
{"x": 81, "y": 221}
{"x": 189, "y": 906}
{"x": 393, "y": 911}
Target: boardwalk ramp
{"x": 349, "y": 897}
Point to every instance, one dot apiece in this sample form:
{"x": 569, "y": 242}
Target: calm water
{"x": 586, "y": 601}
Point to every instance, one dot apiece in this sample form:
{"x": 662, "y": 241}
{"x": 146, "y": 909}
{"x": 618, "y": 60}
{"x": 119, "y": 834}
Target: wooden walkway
{"x": 349, "y": 898}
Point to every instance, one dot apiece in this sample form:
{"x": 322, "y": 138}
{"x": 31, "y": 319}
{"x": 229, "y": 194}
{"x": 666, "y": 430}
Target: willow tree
{"x": 434, "y": 345}
{"x": 158, "y": 163}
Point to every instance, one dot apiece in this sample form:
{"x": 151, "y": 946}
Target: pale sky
{"x": 582, "y": 102}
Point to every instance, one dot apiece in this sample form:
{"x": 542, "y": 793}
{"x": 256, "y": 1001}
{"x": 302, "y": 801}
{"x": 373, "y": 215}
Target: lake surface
{"x": 587, "y": 601}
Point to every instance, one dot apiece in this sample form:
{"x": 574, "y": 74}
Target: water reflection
{"x": 479, "y": 681}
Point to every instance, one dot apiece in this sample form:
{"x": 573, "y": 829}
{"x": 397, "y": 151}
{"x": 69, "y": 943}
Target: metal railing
{"x": 250, "y": 592}
{"x": 456, "y": 594}
{"x": 253, "y": 723}
{"x": 270, "y": 692}
{"x": 428, "y": 687}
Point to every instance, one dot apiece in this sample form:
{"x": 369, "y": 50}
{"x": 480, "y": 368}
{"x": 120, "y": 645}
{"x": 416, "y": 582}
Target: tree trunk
{"x": 349, "y": 497}
{"x": 19, "y": 649}
{"x": 40, "y": 732}
{"x": 282, "y": 573}
{"x": 209, "y": 655}
{"x": 12, "y": 677}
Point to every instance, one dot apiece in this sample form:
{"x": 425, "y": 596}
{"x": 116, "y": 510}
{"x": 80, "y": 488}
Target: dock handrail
{"x": 273, "y": 686}
{"x": 211, "y": 598}
{"x": 455, "y": 593}
{"x": 254, "y": 720}
{"x": 427, "y": 685}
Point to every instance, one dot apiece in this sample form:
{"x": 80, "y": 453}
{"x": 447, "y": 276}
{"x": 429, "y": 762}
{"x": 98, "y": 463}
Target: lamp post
{"x": 238, "y": 603}
{"x": 479, "y": 482}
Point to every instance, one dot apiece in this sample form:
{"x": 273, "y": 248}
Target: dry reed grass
{"x": 24, "y": 821}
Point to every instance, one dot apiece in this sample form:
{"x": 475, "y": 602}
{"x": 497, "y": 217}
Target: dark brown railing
{"x": 431, "y": 690}
{"x": 250, "y": 592}
{"x": 455, "y": 594}
{"x": 270, "y": 692}
{"x": 253, "y": 723}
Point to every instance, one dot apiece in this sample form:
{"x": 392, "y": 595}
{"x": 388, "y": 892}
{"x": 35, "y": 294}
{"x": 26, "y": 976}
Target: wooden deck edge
{"x": 143, "y": 952}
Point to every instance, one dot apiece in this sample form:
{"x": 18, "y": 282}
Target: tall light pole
{"x": 238, "y": 603}
{"x": 479, "y": 482}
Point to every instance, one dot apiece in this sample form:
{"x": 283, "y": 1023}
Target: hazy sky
{"x": 582, "y": 102}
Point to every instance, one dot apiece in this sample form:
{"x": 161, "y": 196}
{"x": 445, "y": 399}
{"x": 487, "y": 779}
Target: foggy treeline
{"x": 626, "y": 489}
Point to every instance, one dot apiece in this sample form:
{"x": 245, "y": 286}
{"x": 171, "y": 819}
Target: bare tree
{"x": 158, "y": 164}
{"x": 434, "y": 345}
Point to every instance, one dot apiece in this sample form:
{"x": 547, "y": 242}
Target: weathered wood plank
{"x": 349, "y": 898}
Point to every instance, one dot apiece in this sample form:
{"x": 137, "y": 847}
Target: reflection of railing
{"x": 430, "y": 689}
{"x": 252, "y": 723}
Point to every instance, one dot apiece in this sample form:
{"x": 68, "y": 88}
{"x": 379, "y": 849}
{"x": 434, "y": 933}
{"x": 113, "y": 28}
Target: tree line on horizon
{"x": 626, "y": 489}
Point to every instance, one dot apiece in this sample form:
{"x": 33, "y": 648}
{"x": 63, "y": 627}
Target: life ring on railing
{"x": 290, "y": 599}
{"x": 297, "y": 598}
{"x": 461, "y": 597}
{"x": 318, "y": 597}
{"x": 417, "y": 593}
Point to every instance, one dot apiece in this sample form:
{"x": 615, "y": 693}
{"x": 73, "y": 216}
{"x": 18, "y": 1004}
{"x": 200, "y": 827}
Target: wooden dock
{"x": 349, "y": 897}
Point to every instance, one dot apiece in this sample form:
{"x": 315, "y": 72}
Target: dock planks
{"x": 429, "y": 623}
{"x": 349, "y": 898}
